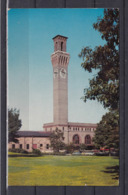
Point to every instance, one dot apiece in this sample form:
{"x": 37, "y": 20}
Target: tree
{"x": 105, "y": 59}
{"x": 14, "y": 124}
{"x": 107, "y": 132}
{"x": 56, "y": 139}
{"x": 104, "y": 86}
{"x": 70, "y": 148}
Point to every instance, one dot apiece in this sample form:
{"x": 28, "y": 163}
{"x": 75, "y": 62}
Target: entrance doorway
{"x": 34, "y": 146}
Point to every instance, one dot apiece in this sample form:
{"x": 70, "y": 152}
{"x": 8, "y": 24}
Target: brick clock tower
{"x": 60, "y": 60}
{"x": 74, "y": 132}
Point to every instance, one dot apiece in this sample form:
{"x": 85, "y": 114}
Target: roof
{"x": 72, "y": 124}
{"x": 33, "y": 134}
{"x": 60, "y": 36}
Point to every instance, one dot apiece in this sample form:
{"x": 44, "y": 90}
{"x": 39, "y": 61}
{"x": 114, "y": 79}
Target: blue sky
{"x": 30, "y": 45}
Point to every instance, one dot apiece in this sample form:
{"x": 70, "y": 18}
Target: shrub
{"x": 37, "y": 152}
{"x": 70, "y": 148}
{"x": 23, "y": 151}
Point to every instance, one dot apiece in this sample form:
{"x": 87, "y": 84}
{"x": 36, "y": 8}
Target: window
{"x": 63, "y": 128}
{"x": 61, "y": 46}
{"x": 76, "y": 139}
{"x": 47, "y": 146}
{"x": 20, "y": 146}
{"x": 41, "y": 145}
{"x": 27, "y": 146}
{"x": 13, "y": 146}
{"x": 87, "y": 139}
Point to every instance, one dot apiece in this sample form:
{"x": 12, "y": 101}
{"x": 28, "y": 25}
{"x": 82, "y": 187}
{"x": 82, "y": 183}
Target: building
{"x": 76, "y": 133}
{"x": 32, "y": 139}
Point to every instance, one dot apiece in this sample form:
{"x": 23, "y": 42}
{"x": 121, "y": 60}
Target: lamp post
{"x": 68, "y": 133}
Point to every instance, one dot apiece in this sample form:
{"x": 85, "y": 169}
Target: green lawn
{"x": 14, "y": 153}
{"x": 63, "y": 171}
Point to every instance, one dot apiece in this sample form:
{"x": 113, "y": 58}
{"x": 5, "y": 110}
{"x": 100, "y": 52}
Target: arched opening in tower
{"x": 61, "y": 46}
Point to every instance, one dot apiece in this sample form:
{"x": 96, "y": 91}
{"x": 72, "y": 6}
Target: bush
{"x": 37, "y": 152}
{"x": 23, "y": 151}
{"x": 70, "y": 148}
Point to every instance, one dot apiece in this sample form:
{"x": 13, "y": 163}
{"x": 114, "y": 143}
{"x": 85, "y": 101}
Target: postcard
{"x": 63, "y": 97}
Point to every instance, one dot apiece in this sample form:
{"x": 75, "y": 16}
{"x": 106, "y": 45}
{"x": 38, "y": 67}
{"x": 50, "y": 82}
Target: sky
{"x": 30, "y": 72}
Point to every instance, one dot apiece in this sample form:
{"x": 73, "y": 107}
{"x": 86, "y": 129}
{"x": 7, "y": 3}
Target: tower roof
{"x": 59, "y": 36}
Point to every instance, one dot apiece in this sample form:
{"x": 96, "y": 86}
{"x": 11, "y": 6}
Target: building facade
{"x": 76, "y": 133}
{"x": 29, "y": 140}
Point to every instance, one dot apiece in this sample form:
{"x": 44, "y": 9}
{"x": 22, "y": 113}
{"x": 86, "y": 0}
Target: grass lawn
{"x": 14, "y": 153}
{"x": 63, "y": 171}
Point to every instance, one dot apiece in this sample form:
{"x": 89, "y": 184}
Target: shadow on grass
{"x": 114, "y": 170}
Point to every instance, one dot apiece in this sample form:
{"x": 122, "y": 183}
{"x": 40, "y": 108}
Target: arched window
{"x": 47, "y": 146}
{"x": 87, "y": 139}
{"x": 76, "y": 139}
{"x": 61, "y": 46}
{"x": 27, "y": 146}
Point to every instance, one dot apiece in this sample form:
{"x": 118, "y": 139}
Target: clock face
{"x": 55, "y": 73}
{"x": 63, "y": 73}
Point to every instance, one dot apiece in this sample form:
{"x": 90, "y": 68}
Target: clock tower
{"x": 60, "y": 60}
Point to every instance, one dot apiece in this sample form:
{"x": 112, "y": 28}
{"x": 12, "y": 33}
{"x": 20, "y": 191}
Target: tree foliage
{"x": 71, "y": 147}
{"x": 104, "y": 86}
{"x": 105, "y": 59}
{"x": 14, "y": 124}
{"x": 107, "y": 132}
{"x": 56, "y": 139}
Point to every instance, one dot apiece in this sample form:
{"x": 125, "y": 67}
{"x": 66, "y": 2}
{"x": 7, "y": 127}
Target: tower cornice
{"x": 60, "y": 36}
{"x": 60, "y": 58}
{"x": 60, "y": 52}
